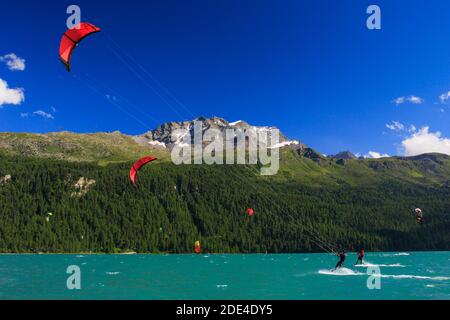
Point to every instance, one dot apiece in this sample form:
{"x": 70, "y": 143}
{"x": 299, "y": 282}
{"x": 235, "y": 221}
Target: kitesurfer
{"x": 341, "y": 261}
{"x": 197, "y": 247}
{"x": 419, "y": 215}
{"x": 360, "y": 257}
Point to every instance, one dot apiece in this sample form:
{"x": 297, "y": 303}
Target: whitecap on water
{"x": 340, "y": 272}
{"x": 222, "y": 285}
{"x": 112, "y": 273}
{"x": 349, "y": 272}
{"x": 396, "y": 254}
{"x": 368, "y": 264}
{"x": 407, "y": 276}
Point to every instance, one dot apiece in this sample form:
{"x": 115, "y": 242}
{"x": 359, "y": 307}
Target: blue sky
{"x": 312, "y": 68}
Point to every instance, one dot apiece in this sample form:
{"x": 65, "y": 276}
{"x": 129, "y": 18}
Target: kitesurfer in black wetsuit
{"x": 341, "y": 261}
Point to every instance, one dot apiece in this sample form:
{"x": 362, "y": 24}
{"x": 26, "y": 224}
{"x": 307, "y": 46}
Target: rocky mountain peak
{"x": 344, "y": 155}
{"x": 164, "y": 136}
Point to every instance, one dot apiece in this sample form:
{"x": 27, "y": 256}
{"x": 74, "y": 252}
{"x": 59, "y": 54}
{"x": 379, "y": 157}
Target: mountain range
{"x": 297, "y": 159}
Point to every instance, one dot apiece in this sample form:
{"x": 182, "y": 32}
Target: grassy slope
{"x": 106, "y": 148}
{"x": 102, "y": 148}
{"x": 426, "y": 170}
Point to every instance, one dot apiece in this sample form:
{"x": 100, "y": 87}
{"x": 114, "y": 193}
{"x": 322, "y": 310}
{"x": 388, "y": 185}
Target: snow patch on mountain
{"x": 285, "y": 144}
{"x": 157, "y": 144}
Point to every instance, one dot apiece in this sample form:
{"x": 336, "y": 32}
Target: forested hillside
{"x": 356, "y": 203}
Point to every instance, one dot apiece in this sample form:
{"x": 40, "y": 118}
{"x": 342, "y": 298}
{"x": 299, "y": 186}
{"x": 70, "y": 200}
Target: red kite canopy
{"x": 137, "y": 166}
{"x": 250, "y": 212}
{"x": 72, "y": 38}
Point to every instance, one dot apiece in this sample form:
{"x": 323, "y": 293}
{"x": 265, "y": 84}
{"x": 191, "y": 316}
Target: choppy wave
{"x": 368, "y": 264}
{"x": 407, "y": 276}
{"x": 112, "y": 273}
{"x": 349, "y": 272}
{"x": 396, "y": 254}
{"x": 340, "y": 272}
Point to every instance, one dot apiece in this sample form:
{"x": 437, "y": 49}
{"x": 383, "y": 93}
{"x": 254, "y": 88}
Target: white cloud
{"x": 53, "y": 109}
{"x": 411, "y": 99}
{"x": 395, "y": 126}
{"x": 10, "y": 96}
{"x": 37, "y": 113}
{"x": 44, "y": 114}
{"x": 415, "y": 100}
{"x": 444, "y": 97}
{"x": 424, "y": 141}
{"x": 400, "y": 127}
{"x": 376, "y": 155}
{"x": 399, "y": 100}
{"x": 13, "y": 62}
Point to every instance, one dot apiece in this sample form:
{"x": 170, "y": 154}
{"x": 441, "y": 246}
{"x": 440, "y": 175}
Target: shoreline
{"x": 202, "y": 254}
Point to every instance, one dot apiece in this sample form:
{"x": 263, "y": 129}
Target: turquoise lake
{"x": 415, "y": 275}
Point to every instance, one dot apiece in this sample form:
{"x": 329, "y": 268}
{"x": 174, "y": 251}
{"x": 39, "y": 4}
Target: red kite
{"x": 71, "y": 38}
{"x": 137, "y": 166}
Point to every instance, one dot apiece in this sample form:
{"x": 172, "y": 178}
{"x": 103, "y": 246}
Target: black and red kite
{"x": 71, "y": 38}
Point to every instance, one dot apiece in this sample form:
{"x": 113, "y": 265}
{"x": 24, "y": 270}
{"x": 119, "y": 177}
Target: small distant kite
{"x": 197, "y": 247}
{"x": 49, "y": 215}
{"x": 137, "y": 166}
{"x": 71, "y": 38}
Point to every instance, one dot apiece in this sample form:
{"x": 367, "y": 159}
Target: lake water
{"x": 415, "y": 275}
